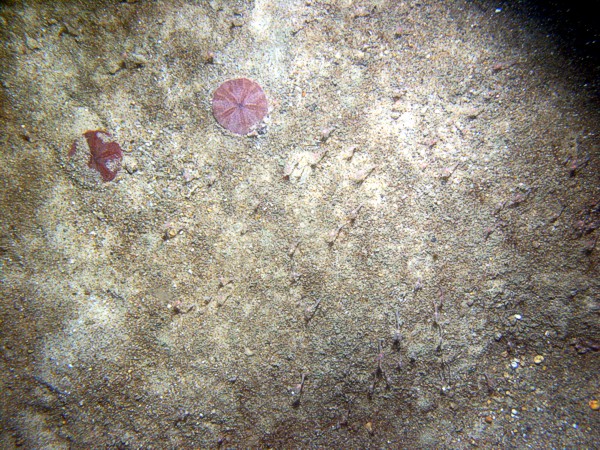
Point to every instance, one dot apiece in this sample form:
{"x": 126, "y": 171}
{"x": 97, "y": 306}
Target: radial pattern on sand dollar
{"x": 239, "y": 105}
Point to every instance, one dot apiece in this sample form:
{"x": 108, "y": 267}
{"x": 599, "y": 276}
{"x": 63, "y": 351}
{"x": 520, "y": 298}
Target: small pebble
{"x": 209, "y": 57}
{"x": 398, "y": 107}
{"x": 538, "y": 359}
{"x": 134, "y": 61}
{"x": 361, "y": 12}
{"x": 349, "y": 152}
{"x": 131, "y": 164}
{"x": 399, "y": 31}
{"x": 169, "y": 233}
{"x": 594, "y": 404}
{"x": 325, "y": 134}
{"x": 237, "y": 22}
{"x": 31, "y": 43}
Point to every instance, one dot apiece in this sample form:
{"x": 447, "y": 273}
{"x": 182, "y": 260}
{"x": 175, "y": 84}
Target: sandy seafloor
{"x": 413, "y": 232}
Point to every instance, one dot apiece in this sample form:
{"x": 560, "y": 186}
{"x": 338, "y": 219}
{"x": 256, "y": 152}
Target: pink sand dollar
{"x": 239, "y": 105}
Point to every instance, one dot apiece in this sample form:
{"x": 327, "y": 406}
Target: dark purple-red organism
{"x": 239, "y": 105}
{"x": 105, "y": 155}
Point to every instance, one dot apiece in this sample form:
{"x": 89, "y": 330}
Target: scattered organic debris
{"x": 397, "y": 334}
{"x": 311, "y": 310}
{"x": 583, "y": 345}
{"x": 297, "y": 391}
{"x": 361, "y": 175}
{"x": 349, "y": 152}
{"x": 350, "y": 219}
{"x": 379, "y": 372}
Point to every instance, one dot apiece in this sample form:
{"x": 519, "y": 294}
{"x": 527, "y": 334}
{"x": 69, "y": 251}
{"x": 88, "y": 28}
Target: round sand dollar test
{"x": 239, "y": 105}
